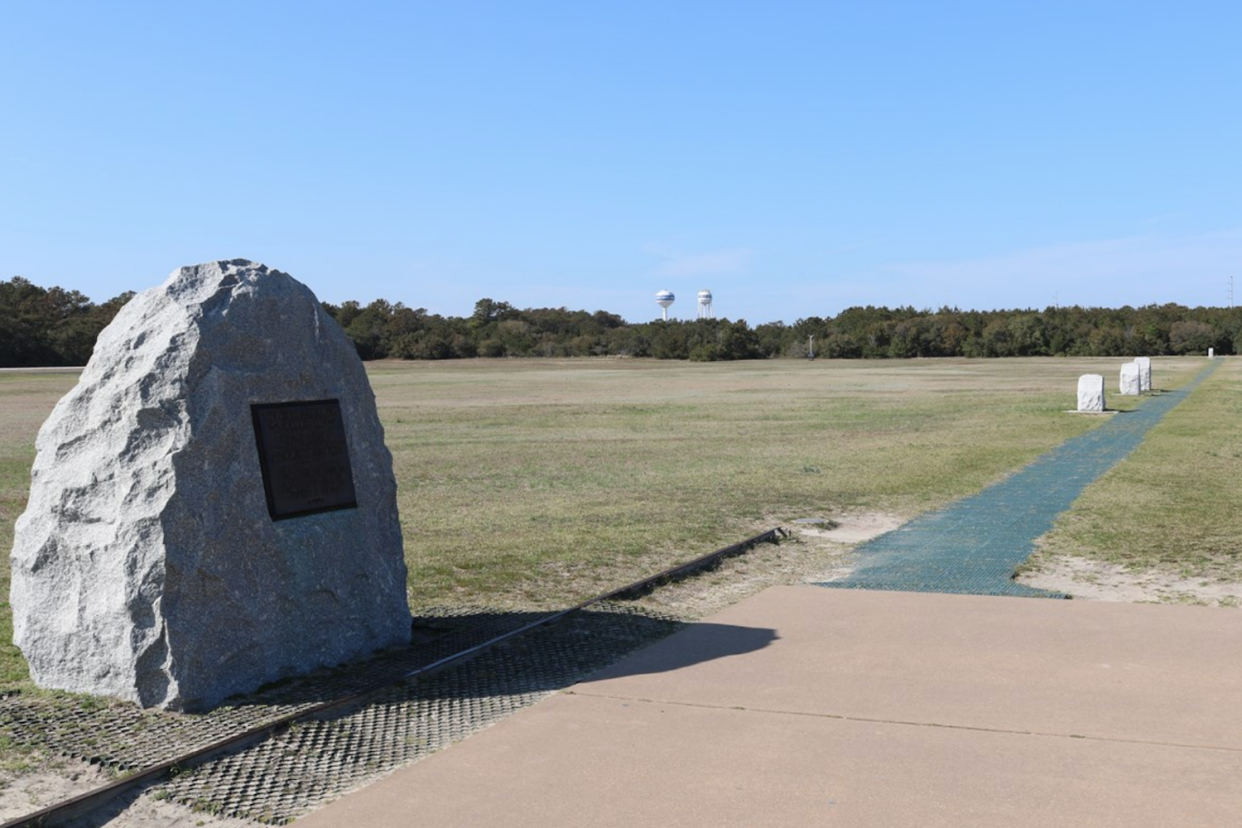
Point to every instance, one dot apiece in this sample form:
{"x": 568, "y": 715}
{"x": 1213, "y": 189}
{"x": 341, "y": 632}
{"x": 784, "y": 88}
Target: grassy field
{"x": 536, "y": 483}
{"x": 1175, "y": 506}
{"x": 25, "y": 401}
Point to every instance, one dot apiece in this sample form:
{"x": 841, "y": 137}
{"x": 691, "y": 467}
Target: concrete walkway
{"x": 806, "y": 706}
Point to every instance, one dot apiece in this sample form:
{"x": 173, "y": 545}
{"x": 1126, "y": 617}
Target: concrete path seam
{"x": 906, "y": 723}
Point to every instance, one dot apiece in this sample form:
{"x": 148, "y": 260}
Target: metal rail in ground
{"x": 91, "y": 801}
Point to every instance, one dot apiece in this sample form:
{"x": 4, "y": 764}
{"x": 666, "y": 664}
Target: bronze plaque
{"x": 304, "y": 457}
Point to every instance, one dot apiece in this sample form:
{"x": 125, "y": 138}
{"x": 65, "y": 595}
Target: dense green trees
{"x": 49, "y": 326}
{"x": 53, "y": 326}
{"x": 1154, "y": 330}
{"x": 498, "y": 329}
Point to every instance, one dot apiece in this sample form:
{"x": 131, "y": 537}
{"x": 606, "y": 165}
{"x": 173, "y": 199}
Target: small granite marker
{"x": 1144, "y": 364}
{"x": 1091, "y": 393}
{"x": 1130, "y": 383}
{"x": 212, "y": 507}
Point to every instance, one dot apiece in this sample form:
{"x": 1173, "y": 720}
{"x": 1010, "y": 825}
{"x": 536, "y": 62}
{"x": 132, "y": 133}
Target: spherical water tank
{"x": 705, "y": 297}
{"x": 665, "y": 298}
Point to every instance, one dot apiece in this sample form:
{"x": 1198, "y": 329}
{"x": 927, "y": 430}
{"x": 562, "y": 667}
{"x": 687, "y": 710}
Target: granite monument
{"x": 212, "y": 507}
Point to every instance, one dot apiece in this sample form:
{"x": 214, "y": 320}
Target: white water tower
{"x": 705, "y": 305}
{"x": 665, "y": 298}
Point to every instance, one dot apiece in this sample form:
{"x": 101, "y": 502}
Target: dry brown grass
{"x": 1170, "y": 516}
{"x": 537, "y": 483}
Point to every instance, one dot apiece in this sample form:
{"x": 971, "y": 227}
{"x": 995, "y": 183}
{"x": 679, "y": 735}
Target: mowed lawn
{"x": 1174, "y": 507}
{"x": 536, "y": 483}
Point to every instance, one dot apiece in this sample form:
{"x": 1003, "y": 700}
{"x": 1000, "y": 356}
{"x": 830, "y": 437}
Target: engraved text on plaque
{"x": 304, "y": 457}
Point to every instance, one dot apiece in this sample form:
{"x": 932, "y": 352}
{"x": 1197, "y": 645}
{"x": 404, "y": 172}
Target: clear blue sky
{"x": 795, "y": 158}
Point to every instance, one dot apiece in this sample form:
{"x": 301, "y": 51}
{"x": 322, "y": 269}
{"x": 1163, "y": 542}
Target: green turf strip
{"x": 975, "y": 545}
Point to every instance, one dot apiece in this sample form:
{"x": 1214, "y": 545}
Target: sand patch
{"x": 1100, "y": 581}
{"x": 25, "y": 792}
{"x": 849, "y": 529}
{"x": 836, "y": 541}
{"x": 810, "y": 553}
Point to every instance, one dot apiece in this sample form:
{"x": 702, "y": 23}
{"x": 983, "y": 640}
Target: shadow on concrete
{"x": 542, "y": 658}
{"x": 494, "y": 680}
{"x": 697, "y": 643}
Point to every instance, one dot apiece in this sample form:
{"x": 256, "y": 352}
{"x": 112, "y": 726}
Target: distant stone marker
{"x": 1130, "y": 383}
{"x": 1091, "y": 393}
{"x": 1211, "y": 353}
{"x": 1144, "y": 364}
{"x": 213, "y": 506}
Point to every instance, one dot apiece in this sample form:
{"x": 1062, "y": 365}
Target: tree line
{"x": 497, "y": 329}
{"x": 49, "y": 326}
{"x": 52, "y": 326}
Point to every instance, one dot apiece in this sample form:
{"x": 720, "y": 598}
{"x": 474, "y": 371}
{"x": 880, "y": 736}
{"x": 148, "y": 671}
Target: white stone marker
{"x": 1130, "y": 380}
{"x": 1144, "y": 364}
{"x": 1091, "y": 393}
{"x": 1211, "y": 353}
{"x": 213, "y": 506}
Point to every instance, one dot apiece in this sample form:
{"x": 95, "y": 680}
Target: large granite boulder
{"x": 1091, "y": 393}
{"x": 212, "y": 507}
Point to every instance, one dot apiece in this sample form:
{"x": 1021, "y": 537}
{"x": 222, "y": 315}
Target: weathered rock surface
{"x": 1144, "y": 365}
{"x": 1091, "y": 393}
{"x": 1130, "y": 383}
{"x": 147, "y": 565}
